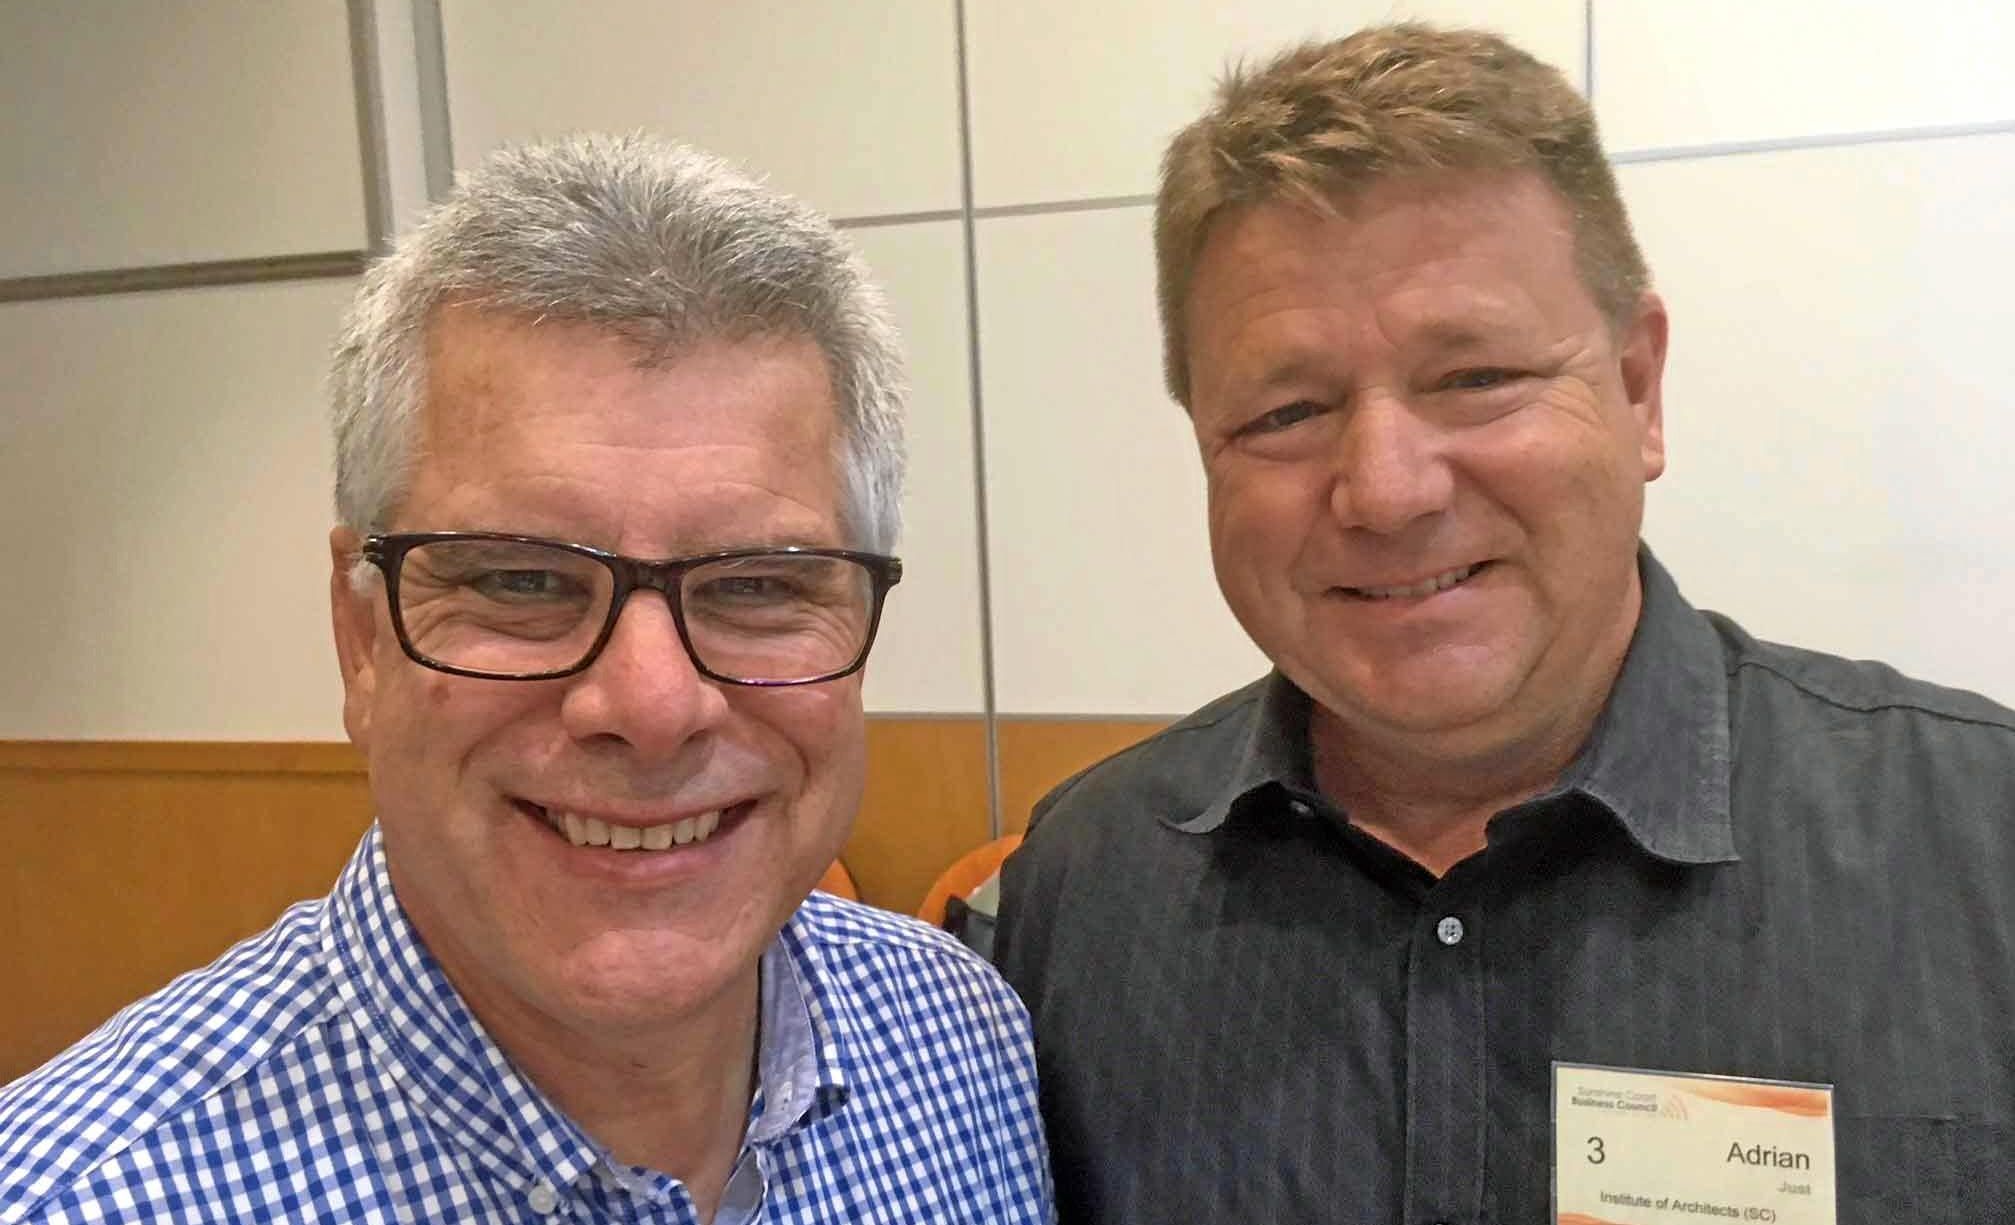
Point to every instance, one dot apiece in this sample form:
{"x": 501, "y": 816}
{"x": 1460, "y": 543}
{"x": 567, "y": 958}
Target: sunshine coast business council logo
{"x": 1668, "y": 1105}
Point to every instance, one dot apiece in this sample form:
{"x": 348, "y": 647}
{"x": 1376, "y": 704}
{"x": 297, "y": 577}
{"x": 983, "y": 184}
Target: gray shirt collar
{"x": 787, "y": 1061}
{"x": 1657, "y": 761}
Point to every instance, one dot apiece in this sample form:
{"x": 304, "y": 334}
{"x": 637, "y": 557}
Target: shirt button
{"x": 1449, "y": 930}
{"x": 542, "y": 1198}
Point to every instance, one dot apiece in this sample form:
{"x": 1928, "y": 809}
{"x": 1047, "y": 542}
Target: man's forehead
{"x": 1455, "y": 254}
{"x": 1395, "y": 211}
{"x": 474, "y": 341}
{"x": 1449, "y": 260}
{"x": 520, "y": 414}
{"x": 649, "y": 486}
{"x": 475, "y": 355}
{"x": 491, "y": 361}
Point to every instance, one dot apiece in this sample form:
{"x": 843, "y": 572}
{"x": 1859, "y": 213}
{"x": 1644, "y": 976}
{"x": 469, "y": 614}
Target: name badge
{"x": 1632, "y": 1147}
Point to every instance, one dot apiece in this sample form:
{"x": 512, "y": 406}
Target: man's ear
{"x": 1641, "y": 351}
{"x": 353, "y": 613}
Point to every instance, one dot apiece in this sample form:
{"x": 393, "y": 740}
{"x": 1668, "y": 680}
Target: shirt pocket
{"x": 1924, "y": 1170}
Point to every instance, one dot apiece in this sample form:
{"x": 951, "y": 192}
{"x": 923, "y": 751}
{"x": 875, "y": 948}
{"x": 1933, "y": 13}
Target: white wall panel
{"x": 161, "y": 133}
{"x": 1103, "y": 599}
{"x": 853, "y": 106}
{"x": 164, "y": 492}
{"x": 1837, "y": 403}
{"x": 927, "y": 657}
{"x": 1712, "y": 71}
{"x": 1073, "y": 100}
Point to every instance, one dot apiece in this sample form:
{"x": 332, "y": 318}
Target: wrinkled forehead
{"x": 483, "y": 366}
{"x": 1453, "y": 228}
{"x": 1437, "y": 202}
{"x": 547, "y": 427}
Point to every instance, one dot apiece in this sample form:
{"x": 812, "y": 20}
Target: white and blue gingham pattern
{"x": 326, "y": 1071}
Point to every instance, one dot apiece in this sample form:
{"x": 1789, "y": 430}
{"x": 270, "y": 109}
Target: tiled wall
{"x": 141, "y": 134}
{"x": 1820, "y": 186}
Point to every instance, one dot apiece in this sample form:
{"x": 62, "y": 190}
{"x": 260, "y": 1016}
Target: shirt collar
{"x": 815, "y": 1024}
{"x": 1658, "y": 759}
{"x": 799, "y": 1066}
{"x": 1273, "y": 749}
{"x": 457, "y": 1076}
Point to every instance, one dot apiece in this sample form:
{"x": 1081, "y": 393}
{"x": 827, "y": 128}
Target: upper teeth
{"x": 593, "y": 831}
{"x": 1440, "y": 582}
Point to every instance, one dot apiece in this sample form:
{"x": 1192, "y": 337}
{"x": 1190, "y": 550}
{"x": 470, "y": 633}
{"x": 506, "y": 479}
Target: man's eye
{"x": 748, "y": 589}
{"x": 522, "y": 584}
{"x": 1284, "y": 417}
{"x": 1481, "y": 378}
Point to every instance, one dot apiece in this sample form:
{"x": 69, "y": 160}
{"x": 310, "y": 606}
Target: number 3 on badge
{"x": 1595, "y": 1154}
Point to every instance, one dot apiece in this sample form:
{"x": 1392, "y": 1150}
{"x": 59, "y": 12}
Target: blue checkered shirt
{"x": 326, "y": 1071}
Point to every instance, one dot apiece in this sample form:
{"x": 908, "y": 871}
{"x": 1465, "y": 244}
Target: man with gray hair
{"x": 619, "y": 455}
{"x": 1520, "y": 890}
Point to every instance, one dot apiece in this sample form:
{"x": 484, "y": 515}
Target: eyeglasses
{"x": 525, "y": 609}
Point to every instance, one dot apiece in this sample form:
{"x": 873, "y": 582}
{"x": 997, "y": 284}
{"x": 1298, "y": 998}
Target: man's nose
{"x": 643, "y": 689}
{"x": 1390, "y": 467}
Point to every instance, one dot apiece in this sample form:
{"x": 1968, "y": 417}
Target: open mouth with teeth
{"x": 1415, "y": 591}
{"x": 593, "y": 831}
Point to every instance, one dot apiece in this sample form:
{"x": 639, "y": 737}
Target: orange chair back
{"x": 966, "y": 873}
{"x": 839, "y": 882}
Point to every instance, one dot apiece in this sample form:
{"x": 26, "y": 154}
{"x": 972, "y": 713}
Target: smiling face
{"x": 1426, "y": 452}
{"x": 554, "y": 430}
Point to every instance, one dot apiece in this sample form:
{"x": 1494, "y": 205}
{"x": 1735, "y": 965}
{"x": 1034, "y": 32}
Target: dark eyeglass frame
{"x": 388, "y": 553}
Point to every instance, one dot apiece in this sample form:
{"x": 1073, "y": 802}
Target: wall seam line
{"x": 205, "y": 274}
{"x": 969, "y": 226}
{"x": 1039, "y": 208}
{"x": 871, "y": 221}
{"x": 437, "y": 142}
{"x": 1824, "y": 140}
{"x": 369, "y": 95}
{"x": 1588, "y": 51}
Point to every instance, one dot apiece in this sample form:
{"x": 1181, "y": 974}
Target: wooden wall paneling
{"x": 926, "y": 805}
{"x": 1036, "y": 754}
{"x": 128, "y": 864}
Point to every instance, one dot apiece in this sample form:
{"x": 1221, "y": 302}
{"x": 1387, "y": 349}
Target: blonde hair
{"x": 1325, "y": 120}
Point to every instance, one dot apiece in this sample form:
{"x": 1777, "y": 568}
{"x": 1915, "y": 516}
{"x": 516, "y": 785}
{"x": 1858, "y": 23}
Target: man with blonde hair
{"x": 618, "y": 473}
{"x": 1520, "y": 890}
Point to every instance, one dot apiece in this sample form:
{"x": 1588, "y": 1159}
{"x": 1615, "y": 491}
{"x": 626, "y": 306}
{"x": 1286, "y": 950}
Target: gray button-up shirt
{"x": 1766, "y": 862}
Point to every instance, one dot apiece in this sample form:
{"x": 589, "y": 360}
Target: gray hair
{"x": 660, "y": 244}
